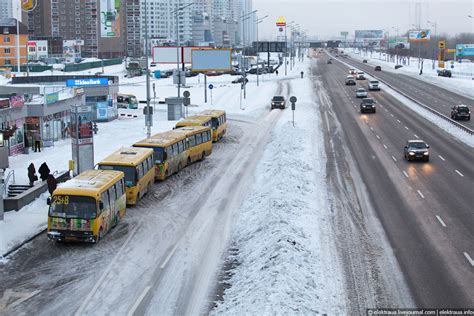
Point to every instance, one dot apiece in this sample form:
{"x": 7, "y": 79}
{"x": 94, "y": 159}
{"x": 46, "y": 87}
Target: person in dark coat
{"x": 32, "y": 174}
{"x": 44, "y": 171}
{"x": 52, "y": 184}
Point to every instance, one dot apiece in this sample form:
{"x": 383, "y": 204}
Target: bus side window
{"x": 145, "y": 166}
{"x": 150, "y": 162}
{"x": 118, "y": 188}
{"x": 225, "y": 117}
{"x": 140, "y": 171}
{"x": 112, "y": 195}
{"x": 175, "y": 149}
{"x": 192, "y": 141}
{"x": 209, "y": 137}
{"x": 198, "y": 139}
{"x": 122, "y": 186}
{"x": 181, "y": 146}
{"x": 105, "y": 200}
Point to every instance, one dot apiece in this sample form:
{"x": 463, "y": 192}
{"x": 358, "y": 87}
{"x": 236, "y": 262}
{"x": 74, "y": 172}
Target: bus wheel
{"x": 179, "y": 167}
{"x": 202, "y": 156}
{"x": 101, "y": 234}
{"x": 189, "y": 161}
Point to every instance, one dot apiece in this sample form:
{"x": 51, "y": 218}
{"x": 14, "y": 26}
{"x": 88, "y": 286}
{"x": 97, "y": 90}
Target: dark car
{"x": 378, "y": 68}
{"x": 367, "y": 105}
{"x": 398, "y": 66}
{"x": 240, "y": 80}
{"x": 461, "y": 112}
{"x": 329, "y": 61}
{"x": 444, "y": 73}
{"x": 365, "y": 61}
{"x": 278, "y": 102}
{"x": 416, "y": 150}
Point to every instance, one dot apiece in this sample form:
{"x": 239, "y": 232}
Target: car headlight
{"x": 273, "y": 103}
{"x": 426, "y": 153}
{"x": 411, "y": 153}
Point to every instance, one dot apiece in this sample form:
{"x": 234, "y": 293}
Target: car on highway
{"x": 416, "y": 149}
{"x": 350, "y": 80}
{"x": 240, "y": 80}
{"x": 352, "y": 71}
{"x": 378, "y": 68}
{"x": 278, "y": 101}
{"x": 444, "y": 73}
{"x": 365, "y": 61}
{"x": 360, "y": 75}
{"x": 329, "y": 61}
{"x": 374, "y": 85}
{"x": 461, "y": 112}
{"x": 361, "y": 93}
{"x": 367, "y": 105}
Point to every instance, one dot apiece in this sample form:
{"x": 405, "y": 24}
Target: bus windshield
{"x": 71, "y": 206}
{"x": 129, "y": 171}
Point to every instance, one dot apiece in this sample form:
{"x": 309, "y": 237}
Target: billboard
{"x": 169, "y": 54}
{"x": 398, "y": 42}
{"x": 419, "y": 35}
{"x": 211, "y": 60}
{"x": 110, "y": 18}
{"x": 88, "y": 82}
{"x": 369, "y": 34}
{"x": 464, "y": 50}
{"x": 281, "y": 22}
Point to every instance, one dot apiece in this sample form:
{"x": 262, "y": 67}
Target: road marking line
{"x": 406, "y": 127}
{"x": 378, "y": 137}
{"x": 405, "y": 173}
{"x": 327, "y": 121}
{"x": 416, "y": 136}
{"x": 138, "y": 301}
{"x": 394, "y": 159}
{"x": 169, "y": 256}
{"x": 441, "y": 157}
{"x": 469, "y": 258}
{"x": 371, "y": 128}
{"x": 384, "y": 146}
{"x": 398, "y": 121}
{"x": 391, "y": 115}
{"x": 441, "y": 221}
{"x": 386, "y": 110}
{"x": 459, "y": 173}
{"x": 420, "y": 194}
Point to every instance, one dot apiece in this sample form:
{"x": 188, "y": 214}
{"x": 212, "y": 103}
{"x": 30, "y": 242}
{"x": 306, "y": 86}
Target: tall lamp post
{"x": 396, "y": 39}
{"x": 435, "y": 26}
{"x": 18, "y": 12}
{"x": 286, "y": 43}
{"x": 148, "y": 116}
{"x": 243, "y": 18}
{"x": 257, "y": 22}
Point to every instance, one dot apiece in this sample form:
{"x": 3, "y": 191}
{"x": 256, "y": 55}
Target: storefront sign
{"x": 17, "y": 101}
{"x": 52, "y": 97}
{"x": 4, "y": 103}
{"x": 87, "y": 82}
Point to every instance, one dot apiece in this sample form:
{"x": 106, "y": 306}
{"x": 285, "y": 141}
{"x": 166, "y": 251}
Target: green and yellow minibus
{"x": 139, "y": 169}
{"x": 169, "y": 151}
{"x": 86, "y": 207}
{"x": 219, "y": 123}
{"x": 199, "y": 142}
{"x": 195, "y": 120}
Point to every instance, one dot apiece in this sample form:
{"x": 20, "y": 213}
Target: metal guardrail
{"x": 10, "y": 174}
{"x": 444, "y": 117}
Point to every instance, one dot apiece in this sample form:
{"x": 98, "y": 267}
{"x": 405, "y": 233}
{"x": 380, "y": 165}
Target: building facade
{"x": 8, "y": 42}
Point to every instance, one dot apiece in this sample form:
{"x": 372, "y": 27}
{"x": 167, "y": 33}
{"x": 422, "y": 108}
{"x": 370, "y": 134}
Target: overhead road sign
{"x": 269, "y": 47}
{"x": 205, "y": 60}
{"x": 419, "y": 35}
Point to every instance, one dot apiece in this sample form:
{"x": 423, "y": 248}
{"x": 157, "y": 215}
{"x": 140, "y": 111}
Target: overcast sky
{"x": 329, "y": 17}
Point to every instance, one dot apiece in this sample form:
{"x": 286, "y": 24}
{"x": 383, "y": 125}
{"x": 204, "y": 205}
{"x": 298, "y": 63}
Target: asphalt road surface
{"x": 426, "y": 209}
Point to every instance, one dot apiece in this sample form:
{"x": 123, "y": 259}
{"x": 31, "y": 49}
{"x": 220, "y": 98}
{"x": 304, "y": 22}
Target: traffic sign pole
{"x": 293, "y": 100}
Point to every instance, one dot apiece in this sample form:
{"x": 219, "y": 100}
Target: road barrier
{"x": 444, "y": 117}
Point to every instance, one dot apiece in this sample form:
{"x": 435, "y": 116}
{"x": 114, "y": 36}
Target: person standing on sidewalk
{"x": 32, "y": 174}
{"x": 26, "y": 143}
{"x": 44, "y": 171}
{"x": 37, "y": 138}
{"x": 52, "y": 184}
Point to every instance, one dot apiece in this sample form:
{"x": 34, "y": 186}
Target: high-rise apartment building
{"x": 133, "y": 28}
{"x": 8, "y": 38}
{"x": 10, "y": 9}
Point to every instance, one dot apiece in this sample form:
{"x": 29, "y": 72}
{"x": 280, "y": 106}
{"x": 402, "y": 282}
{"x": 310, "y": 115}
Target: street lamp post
{"x": 435, "y": 26}
{"x": 257, "y": 22}
{"x": 148, "y": 116}
{"x": 243, "y": 18}
{"x": 286, "y": 44}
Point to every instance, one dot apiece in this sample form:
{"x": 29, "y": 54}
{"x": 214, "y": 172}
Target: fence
{"x": 92, "y": 64}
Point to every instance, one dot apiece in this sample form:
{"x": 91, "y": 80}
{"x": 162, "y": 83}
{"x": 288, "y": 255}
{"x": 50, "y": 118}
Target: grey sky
{"x": 328, "y": 18}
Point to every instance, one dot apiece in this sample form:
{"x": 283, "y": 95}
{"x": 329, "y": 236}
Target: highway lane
{"x": 422, "y": 196}
{"x": 437, "y": 98}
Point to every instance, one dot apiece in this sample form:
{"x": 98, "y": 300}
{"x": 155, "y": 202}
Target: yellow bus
{"x": 195, "y": 120}
{"x": 139, "y": 169}
{"x": 86, "y": 207}
{"x": 169, "y": 151}
{"x": 199, "y": 142}
{"x": 219, "y": 123}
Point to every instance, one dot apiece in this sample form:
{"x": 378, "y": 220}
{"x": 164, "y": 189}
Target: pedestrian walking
{"x": 52, "y": 184}
{"x": 302, "y": 73}
{"x": 276, "y": 71}
{"x": 44, "y": 171}
{"x": 37, "y": 139}
{"x": 32, "y": 174}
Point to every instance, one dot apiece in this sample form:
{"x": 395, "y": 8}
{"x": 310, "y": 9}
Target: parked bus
{"x": 127, "y": 101}
{"x": 86, "y": 207}
{"x": 195, "y": 120}
{"x": 137, "y": 165}
{"x": 199, "y": 142}
{"x": 169, "y": 151}
{"x": 219, "y": 123}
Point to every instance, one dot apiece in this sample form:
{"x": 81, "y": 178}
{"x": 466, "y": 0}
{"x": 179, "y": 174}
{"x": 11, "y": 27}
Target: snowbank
{"x": 285, "y": 261}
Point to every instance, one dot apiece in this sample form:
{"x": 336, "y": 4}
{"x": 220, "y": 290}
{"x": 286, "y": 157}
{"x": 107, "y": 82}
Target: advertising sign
{"x": 344, "y": 33}
{"x": 463, "y": 50}
{"x": 169, "y": 54}
{"x": 17, "y": 101}
{"x": 281, "y": 21}
{"x": 27, "y": 5}
{"x": 369, "y": 34}
{"x": 110, "y": 19}
{"x": 52, "y": 97}
{"x": 87, "y": 82}
{"x": 399, "y": 42}
{"x": 211, "y": 60}
{"x": 4, "y": 103}
{"x": 419, "y": 36}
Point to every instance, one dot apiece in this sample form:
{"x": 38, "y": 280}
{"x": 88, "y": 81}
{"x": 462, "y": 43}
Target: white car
{"x": 374, "y": 85}
{"x": 361, "y": 93}
{"x": 360, "y": 75}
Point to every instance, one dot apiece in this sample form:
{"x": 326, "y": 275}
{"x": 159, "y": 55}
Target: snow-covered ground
{"x": 285, "y": 261}
{"x": 461, "y": 82}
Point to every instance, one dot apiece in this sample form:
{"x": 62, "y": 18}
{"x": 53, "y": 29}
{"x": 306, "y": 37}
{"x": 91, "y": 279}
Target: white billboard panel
{"x": 211, "y": 60}
{"x": 169, "y": 54}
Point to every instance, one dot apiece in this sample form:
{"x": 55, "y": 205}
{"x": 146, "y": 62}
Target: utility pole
{"x": 148, "y": 115}
{"x": 257, "y": 22}
{"x": 434, "y": 44}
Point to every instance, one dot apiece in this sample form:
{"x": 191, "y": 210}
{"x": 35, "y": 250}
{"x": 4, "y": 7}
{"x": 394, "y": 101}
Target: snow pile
{"x": 285, "y": 260}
